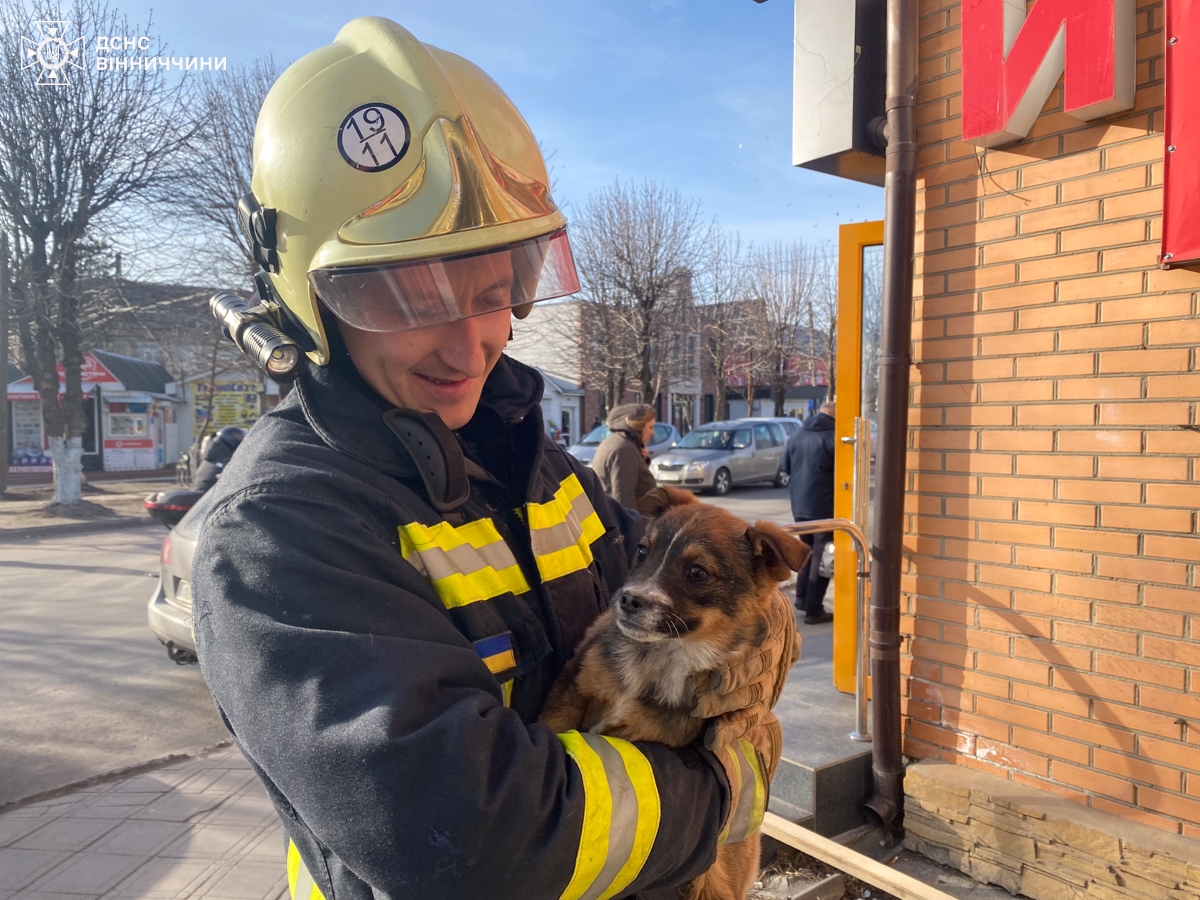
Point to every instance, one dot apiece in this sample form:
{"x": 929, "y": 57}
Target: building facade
{"x": 1051, "y": 611}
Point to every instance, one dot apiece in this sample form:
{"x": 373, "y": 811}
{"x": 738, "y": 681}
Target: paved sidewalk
{"x": 116, "y": 505}
{"x": 199, "y": 828}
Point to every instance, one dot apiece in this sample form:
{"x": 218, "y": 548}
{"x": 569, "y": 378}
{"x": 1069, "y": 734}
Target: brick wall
{"x": 1051, "y": 528}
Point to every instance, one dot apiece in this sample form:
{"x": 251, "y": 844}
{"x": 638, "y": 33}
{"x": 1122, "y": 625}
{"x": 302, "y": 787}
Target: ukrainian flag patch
{"x": 497, "y": 653}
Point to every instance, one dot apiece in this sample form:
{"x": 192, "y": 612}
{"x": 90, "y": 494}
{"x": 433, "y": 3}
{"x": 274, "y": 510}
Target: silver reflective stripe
{"x": 565, "y": 534}
{"x": 624, "y": 815}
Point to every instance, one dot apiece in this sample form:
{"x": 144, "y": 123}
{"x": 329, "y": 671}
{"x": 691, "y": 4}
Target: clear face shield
{"x": 403, "y": 296}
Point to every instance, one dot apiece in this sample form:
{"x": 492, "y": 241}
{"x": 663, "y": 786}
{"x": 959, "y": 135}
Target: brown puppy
{"x": 698, "y": 593}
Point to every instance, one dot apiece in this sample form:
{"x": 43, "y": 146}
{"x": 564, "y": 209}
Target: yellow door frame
{"x": 851, "y": 241}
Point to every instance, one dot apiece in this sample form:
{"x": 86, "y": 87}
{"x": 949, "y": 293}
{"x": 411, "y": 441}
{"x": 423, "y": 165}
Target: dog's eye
{"x": 697, "y": 574}
{"x": 642, "y": 552}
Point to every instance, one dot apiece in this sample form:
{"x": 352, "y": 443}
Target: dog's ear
{"x": 776, "y": 551}
{"x": 660, "y": 499}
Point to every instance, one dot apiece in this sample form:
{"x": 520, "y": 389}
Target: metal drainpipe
{"x": 898, "y": 237}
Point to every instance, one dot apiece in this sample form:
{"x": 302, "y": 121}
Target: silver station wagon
{"x": 719, "y": 455}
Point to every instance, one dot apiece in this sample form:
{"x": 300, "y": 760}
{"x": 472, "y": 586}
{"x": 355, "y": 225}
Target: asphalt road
{"x": 87, "y": 689}
{"x": 753, "y": 503}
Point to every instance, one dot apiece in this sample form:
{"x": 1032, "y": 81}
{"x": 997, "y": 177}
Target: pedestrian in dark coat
{"x": 620, "y": 460}
{"x": 808, "y": 458}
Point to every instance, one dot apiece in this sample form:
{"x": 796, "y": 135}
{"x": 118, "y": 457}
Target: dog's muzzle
{"x": 643, "y": 619}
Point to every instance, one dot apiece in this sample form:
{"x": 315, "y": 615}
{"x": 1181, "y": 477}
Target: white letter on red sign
{"x": 1012, "y": 63}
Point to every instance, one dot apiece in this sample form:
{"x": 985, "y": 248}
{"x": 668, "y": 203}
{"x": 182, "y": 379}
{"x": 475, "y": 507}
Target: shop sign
{"x": 91, "y": 372}
{"x": 233, "y": 403}
{"x": 1012, "y": 61}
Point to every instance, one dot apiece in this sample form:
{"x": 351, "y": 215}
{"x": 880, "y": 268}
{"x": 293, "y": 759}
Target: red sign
{"x": 1181, "y": 175}
{"x": 128, "y": 444}
{"x": 1011, "y": 63}
{"x": 91, "y": 372}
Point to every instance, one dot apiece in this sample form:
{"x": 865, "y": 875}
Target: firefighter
{"x": 398, "y": 562}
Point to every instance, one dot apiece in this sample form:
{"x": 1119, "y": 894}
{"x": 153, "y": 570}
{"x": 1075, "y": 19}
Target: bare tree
{"x": 785, "y": 284}
{"x": 215, "y": 170}
{"x": 724, "y": 287}
{"x": 74, "y": 148}
{"x": 636, "y": 247}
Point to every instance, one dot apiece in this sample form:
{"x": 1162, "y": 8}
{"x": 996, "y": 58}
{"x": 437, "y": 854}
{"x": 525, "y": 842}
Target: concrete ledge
{"x": 65, "y": 528}
{"x": 1039, "y": 844}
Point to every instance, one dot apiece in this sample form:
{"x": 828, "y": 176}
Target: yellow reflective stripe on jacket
{"x": 301, "y": 885}
{"x": 620, "y": 817}
{"x": 748, "y": 792}
{"x": 464, "y": 565}
{"x": 563, "y": 530}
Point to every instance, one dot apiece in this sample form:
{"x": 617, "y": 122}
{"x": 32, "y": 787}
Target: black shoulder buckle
{"x": 436, "y": 453}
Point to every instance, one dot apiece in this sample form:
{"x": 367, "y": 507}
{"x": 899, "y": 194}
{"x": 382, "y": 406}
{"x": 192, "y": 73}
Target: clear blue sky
{"x": 695, "y": 94}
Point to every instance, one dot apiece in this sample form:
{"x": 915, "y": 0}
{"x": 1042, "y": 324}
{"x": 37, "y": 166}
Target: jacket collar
{"x": 348, "y": 415}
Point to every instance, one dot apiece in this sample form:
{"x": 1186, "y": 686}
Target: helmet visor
{"x": 402, "y": 296}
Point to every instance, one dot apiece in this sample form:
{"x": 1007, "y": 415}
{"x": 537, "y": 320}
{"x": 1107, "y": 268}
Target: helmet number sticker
{"x": 374, "y": 137}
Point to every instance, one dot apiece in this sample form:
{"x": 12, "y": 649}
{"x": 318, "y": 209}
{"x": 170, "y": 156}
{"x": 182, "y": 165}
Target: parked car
{"x": 790, "y": 425}
{"x": 719, "y": 455}
{"x": 665, "y": 437}
{"x": 170, "y": 609}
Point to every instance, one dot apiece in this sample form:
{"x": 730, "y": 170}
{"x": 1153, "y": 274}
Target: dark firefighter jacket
{"x": 363, "y": 648}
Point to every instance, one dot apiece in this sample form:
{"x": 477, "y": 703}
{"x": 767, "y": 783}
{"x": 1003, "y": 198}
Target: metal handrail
{"x": 862, "y": 731}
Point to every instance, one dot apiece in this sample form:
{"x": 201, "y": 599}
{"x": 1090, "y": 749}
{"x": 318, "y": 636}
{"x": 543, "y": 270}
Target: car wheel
{"x": 782, "y": 478}
{"x": 722, "y": 482}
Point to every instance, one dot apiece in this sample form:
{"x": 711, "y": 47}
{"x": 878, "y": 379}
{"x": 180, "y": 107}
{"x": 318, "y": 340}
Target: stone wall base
{"x": 1038, "y": 844}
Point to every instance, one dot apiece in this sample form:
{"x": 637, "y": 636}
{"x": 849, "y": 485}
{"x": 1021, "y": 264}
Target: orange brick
{"x": 1056, "y": 513}
{"x": 1058, "y": 607}
{"x": 998, "y": 486}
{"x": 975, "y": 639}
{"x": 1137, "y": 414}
{"x": 1100, "y": 237}
{"x": 1173, "y": 386}
{"x": 1172, "y": 441}
{"x": 1100, "y": 337}
{"x": 1178, "y": 705}
{"x": 1098, "y": 589}
{"x": 1061, "y": 168}
{"x": 980, "y": 278}
{"x": 980, "y": 370}
{"x": 1015, "y": 297}
{"x": 1159, "y": 468}
{"x": 1143, "y": 309}
{"x": 1023, "y": 391}
{"x": 1135, "y": 256}
{"x": 1169, "y": 804}
{"x": 1100, "y": 441}
{"x": 1058, "y": 315}
{"x": 1133, "y": 569}
{"x": 1094, "y": 733}
{"x": 1056, "y": 414}
{"x": 1093, "y": 781}
{"x": 1018, "y": 669}
{"x": 1170, "y": 753}
{"x": 969, "y": 723}
{"x": 1007, "y": 204}
{"x": 1110, "y": 388}
{"x": 1017, "y": 623}
{"x": 1157, "y": 597}
{"x": 1142, "y": 518}
{"x": 1173, "y": 548}
{"x": 1112, "y": 542}
{"x": 990, "y": 463}
{"x": 1026, "y": 441}
{"x": 1138, "y": 203}
{"x": 1058, "y": 560}
{"x": 1186, "y": 331}
{"x": 1138, "y": 361}
{"x": 1056, "y": 465}
{"x": 1020, "y": 343}
{"x": 1172, "y": 280}
{"x": 976, "y": 682}
{"x": 1012, "y": 713}
{"x": 1105, "y": 184}
{"x": 1050, "y": 745}
{"x": 1141, "y": 671}
{"x": 943, "y": 349}
{"x": 1060, "y": 266}
{"x": 1093, "y": 637}
{"x": 1012, "y": 533}
{"x": 1134, "y": 152}
{"x": 1093, "y": 489}
{"x": 980, "y": 323}
{"x": 928, "y": 608}
{"x": 1139, "y": 619}
{"x": 1086, "y": 685}
{"x": 1099, "y": 287}
{"x": 1058, "y": 365}
{"x": 1050, "y": 699}
{"x": 980, "y": 231}
{"x": 1059, "y": 217}
{"x": 967, "y": 416}
{"x": 1000, "y": 754}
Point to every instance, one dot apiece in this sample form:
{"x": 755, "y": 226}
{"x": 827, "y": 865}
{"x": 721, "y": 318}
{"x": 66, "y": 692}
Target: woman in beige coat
{"x": 620, "y": 459}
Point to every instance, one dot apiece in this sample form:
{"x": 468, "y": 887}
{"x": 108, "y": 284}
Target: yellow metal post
{"x": 851, "y": 241}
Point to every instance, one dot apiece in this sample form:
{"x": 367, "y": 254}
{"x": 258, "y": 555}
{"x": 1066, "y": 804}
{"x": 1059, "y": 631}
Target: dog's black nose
{"x": 629, "y": 602}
